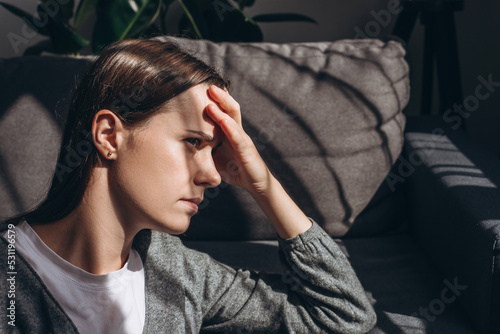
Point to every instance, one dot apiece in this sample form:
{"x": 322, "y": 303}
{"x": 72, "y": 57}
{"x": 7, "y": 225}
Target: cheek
{"x": 154, "y": 172}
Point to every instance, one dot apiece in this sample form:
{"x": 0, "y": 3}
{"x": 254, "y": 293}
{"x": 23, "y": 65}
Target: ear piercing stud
{"x": 109, "y": 154}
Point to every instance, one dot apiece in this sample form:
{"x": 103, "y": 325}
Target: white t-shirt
{"x": 111, "y": 303}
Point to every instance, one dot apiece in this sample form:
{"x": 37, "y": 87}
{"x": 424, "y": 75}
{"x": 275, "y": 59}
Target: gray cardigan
{"x": 187, "y": 291}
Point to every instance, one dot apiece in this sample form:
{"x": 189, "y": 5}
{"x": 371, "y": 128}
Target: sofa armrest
{"x": 453, "y": 196}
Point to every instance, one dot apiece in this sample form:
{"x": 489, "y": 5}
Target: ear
{"x": 108, "y": 133}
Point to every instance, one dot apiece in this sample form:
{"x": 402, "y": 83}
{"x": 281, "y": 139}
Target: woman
{"x": 149, "y": 129}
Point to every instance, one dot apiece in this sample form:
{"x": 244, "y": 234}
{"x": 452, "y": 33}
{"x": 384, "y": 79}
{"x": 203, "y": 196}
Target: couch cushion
{"x": 325, "y": 116}
{"x": 34, "y": 104}
{"x": 405, "y": 290}
{"x": 327, "y": 119}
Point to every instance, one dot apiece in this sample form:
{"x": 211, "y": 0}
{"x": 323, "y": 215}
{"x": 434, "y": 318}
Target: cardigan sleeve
{"x": 318, "y": 292}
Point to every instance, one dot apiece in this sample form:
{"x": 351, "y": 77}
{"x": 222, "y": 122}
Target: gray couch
{"x": 412, "y": 203}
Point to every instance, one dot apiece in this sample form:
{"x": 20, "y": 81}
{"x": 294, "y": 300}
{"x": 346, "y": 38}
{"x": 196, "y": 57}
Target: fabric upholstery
{"x": 33, "y": 107}
{"x": 453, "y": 200}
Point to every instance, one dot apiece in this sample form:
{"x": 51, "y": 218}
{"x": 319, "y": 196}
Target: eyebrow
{"x": 206, "y": 137}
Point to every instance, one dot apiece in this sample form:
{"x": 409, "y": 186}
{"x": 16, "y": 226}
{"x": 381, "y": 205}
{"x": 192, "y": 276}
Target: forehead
{"x": 187, "y": 111}
{"x": 195, "y": 97}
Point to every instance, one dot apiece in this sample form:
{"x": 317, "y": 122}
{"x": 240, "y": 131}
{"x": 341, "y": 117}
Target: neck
{"x": 91, "y": 237}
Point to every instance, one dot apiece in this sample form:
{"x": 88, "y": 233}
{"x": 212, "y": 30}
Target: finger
{"x": 226, "y": 102}
{"x": 232, "y": 130}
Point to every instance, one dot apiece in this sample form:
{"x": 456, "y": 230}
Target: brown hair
{"x": 132, "y": 78}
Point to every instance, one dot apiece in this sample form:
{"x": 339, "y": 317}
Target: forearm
{"x": 286, "y": 217}
{"x": 318, "y": 292}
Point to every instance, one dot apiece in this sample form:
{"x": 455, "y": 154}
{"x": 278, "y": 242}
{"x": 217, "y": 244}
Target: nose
{"x": 207, "y": 174}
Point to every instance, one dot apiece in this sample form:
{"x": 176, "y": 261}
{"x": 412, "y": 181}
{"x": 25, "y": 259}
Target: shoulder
{"x": 166, "y": 254}
{"x": 164, "y": 247}
{"x": 151, "y": 243}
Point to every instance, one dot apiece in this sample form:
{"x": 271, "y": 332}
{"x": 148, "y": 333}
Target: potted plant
{"x": 217, "y": 20}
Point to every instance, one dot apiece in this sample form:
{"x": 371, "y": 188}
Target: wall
{"x": 477, "y": 31}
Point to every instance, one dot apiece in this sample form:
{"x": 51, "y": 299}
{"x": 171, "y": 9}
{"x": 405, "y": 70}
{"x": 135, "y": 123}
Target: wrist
{"x": 264, "y": 189}
{"x": 286, "y": 217}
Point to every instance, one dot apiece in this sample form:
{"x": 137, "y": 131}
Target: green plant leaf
{"x": 64, "y": 38}
{"x": 195, "y": 17}
{"x": 121, "y": 19}
{"x": 85, "y": 7}
{"x": 237, "y": 27}
{"x": 16, "y": 11}
{"x": 64, "y": 11}
{"x": 26, "y": 16}
{"x": 283, "y": 17}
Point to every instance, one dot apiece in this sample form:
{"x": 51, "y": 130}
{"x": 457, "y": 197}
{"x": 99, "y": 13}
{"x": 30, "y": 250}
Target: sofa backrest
{"x": 325, "y": 116}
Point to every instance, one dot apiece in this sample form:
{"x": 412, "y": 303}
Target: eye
{"x": 193, "y": 141}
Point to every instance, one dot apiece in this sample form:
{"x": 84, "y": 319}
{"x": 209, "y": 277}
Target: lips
{"x": 192, "y": 203}
{"x": 196, "y": 200}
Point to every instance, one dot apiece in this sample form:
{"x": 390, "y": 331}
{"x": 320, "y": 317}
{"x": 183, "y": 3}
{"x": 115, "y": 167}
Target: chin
{"x": 174, "y": 228}
{"x": 178, "y": 231}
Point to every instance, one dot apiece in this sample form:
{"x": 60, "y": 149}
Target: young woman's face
{"x": 159, "y": 180}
